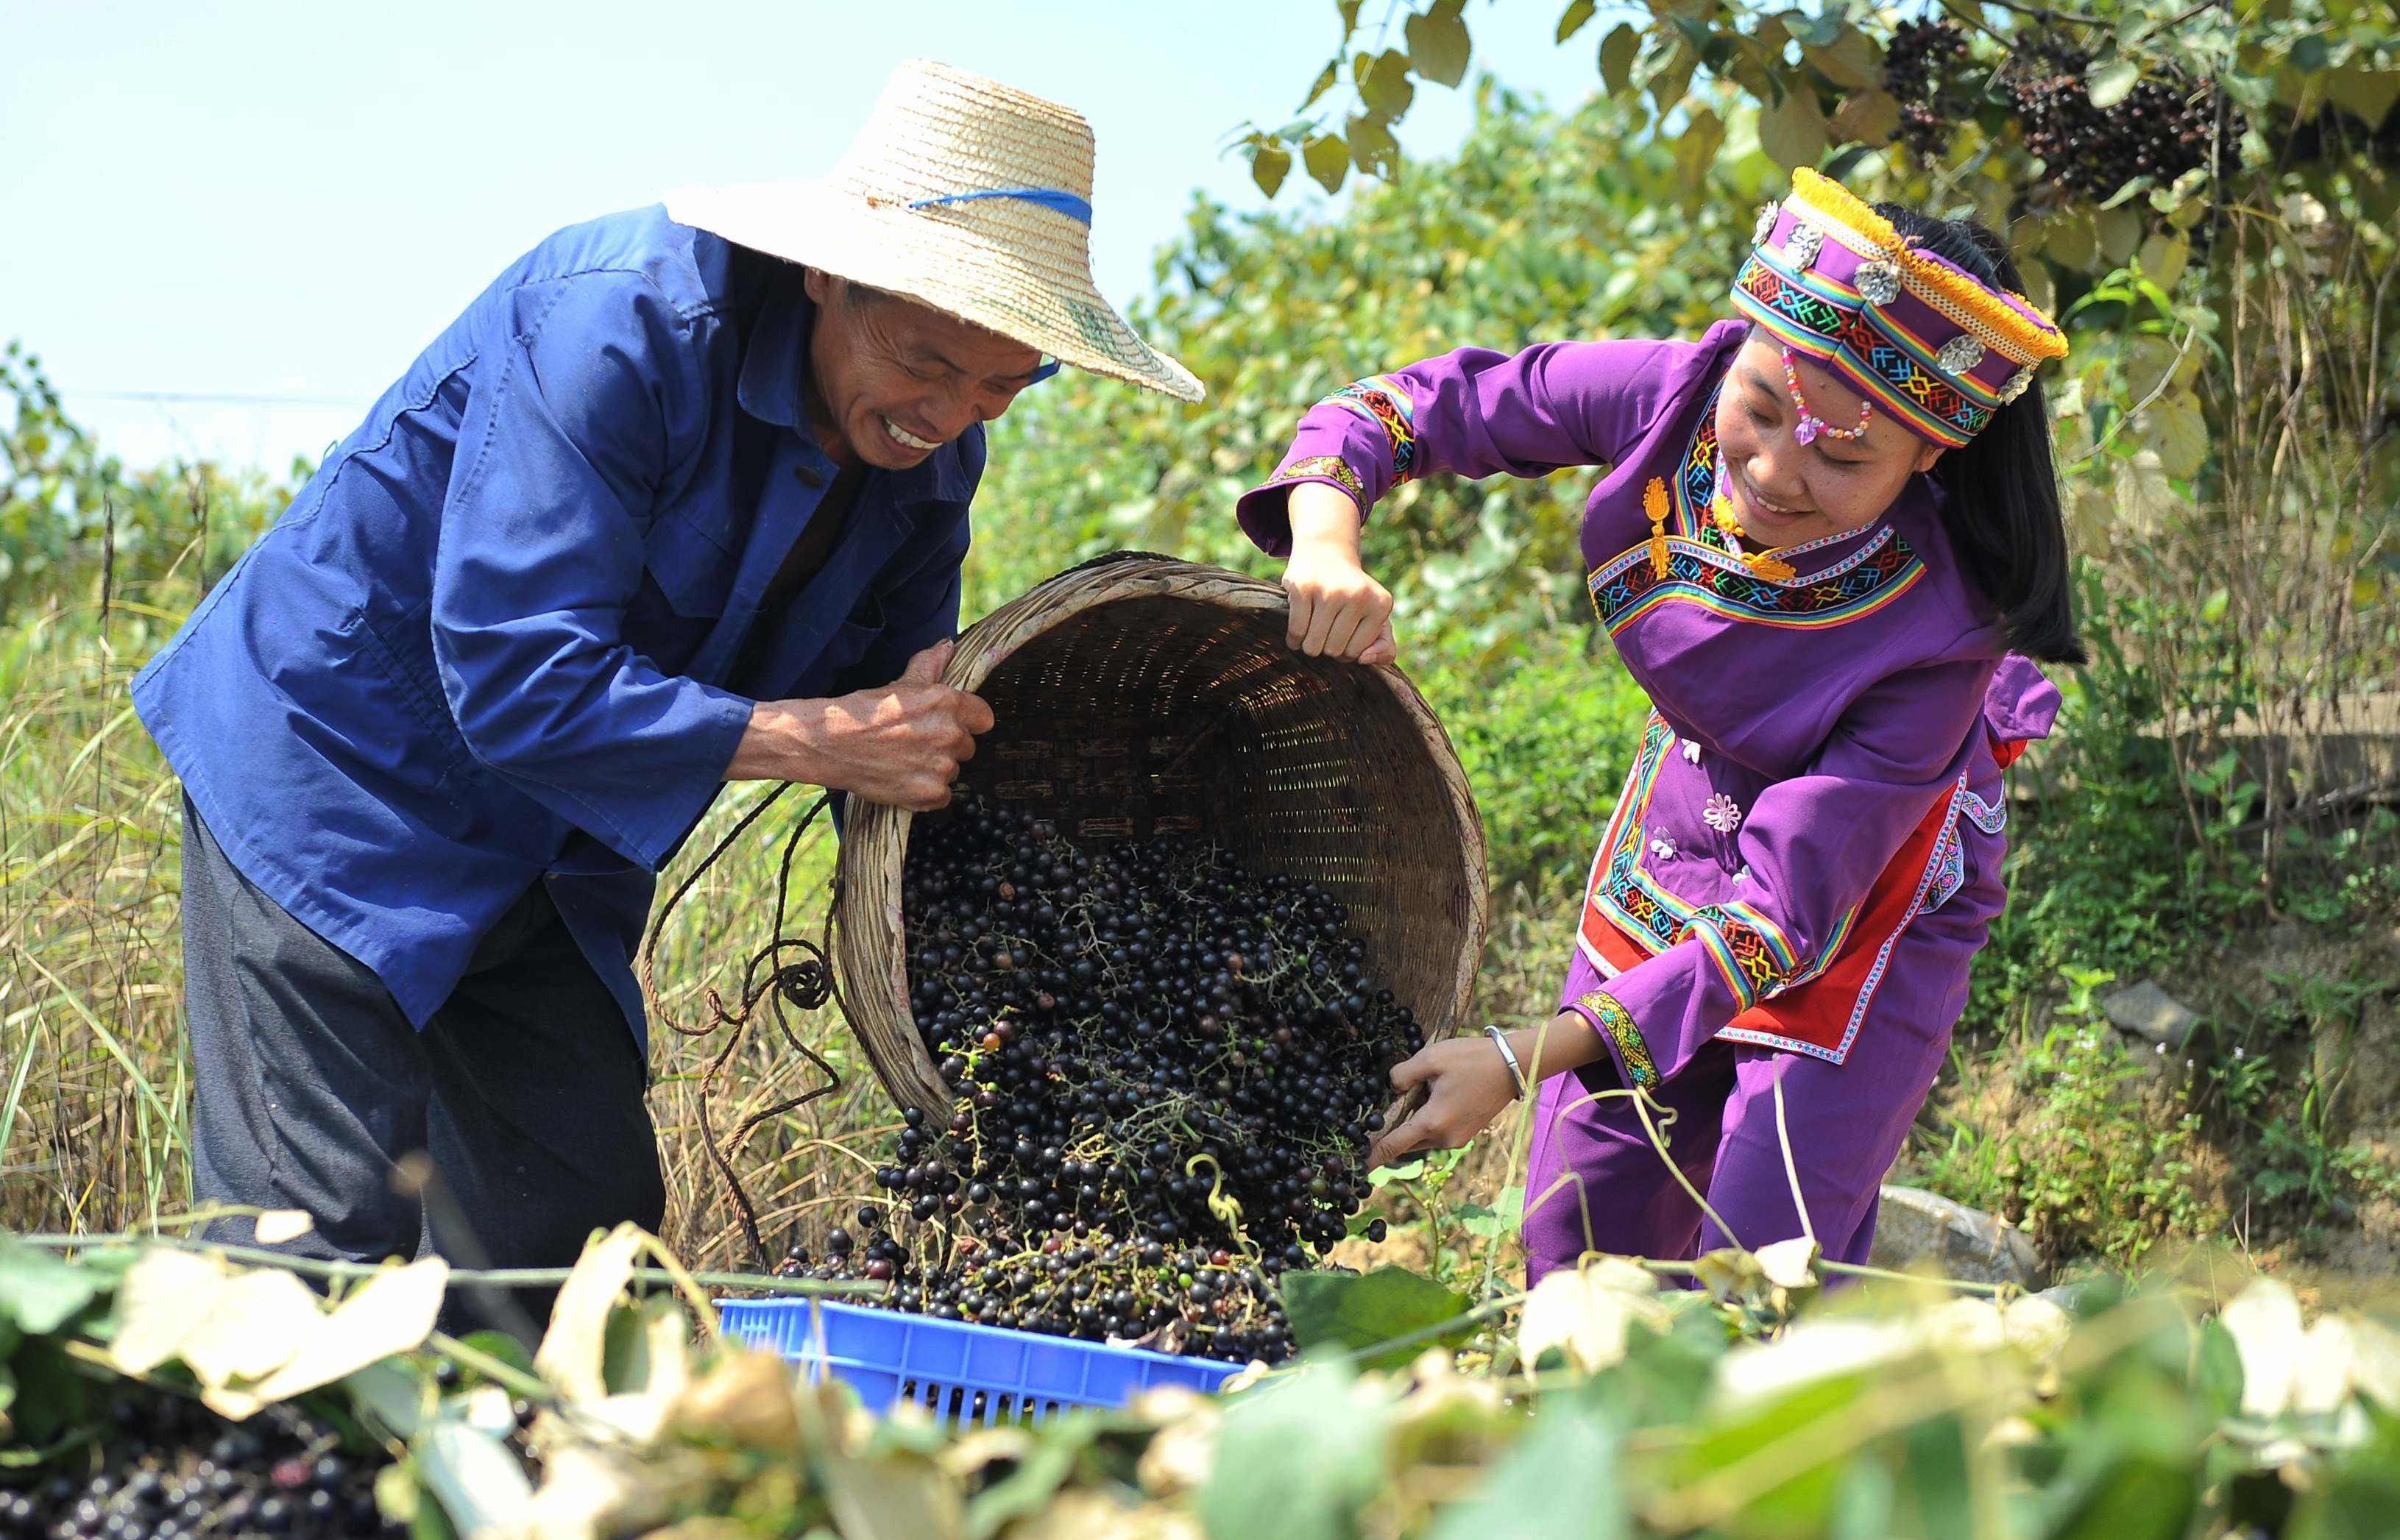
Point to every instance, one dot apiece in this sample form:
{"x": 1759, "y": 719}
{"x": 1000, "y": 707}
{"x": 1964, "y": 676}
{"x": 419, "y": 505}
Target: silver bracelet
{"x": 1516, "y": 1071}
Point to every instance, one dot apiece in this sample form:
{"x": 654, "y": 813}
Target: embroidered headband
{"x": 1929, "y": 343}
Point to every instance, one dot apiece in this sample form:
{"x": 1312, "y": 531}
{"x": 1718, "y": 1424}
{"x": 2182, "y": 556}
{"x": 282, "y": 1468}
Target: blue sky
{"x": 284, "y": 200}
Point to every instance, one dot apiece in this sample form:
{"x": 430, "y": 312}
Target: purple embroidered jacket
{"x": 1803, "y": 729}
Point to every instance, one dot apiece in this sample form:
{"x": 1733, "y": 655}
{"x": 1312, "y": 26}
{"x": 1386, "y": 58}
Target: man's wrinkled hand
{"x": 901, "y": 745}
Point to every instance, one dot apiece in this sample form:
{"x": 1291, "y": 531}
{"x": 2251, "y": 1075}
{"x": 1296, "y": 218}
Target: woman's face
{"x": 1788, "y": 493}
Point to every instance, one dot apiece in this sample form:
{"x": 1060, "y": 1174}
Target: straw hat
{"x": 964, "y": 196}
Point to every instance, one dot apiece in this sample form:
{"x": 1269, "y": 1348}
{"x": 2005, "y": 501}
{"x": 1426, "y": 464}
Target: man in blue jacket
{"x": 680, "y": 499}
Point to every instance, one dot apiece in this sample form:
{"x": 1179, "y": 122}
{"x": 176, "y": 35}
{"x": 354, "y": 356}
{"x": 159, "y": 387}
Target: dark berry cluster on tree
{"x": 1166, "y": 1070}
{"x": 168, "y": 1468}
{"x": 1921, "y": 69}
{"x": 2162, "y": 129}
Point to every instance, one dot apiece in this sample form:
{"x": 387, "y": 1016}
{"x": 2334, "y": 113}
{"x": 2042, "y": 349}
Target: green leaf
{"x": 1696, "y": 149}
{"x": 1618, "y": 51}
{"x": 1384, "y": 84}
{"x": 1792, "y": 132}
{"x": 1571, "y": 21}
{"x": 1561, "y": 1482}
{"x": 477, "y": 1481}
{"x": 1438, "y": 45}
{"x": 2120, "y": 233}
{"x": 41, "y": 1292}
{"x": 894, "y": 1497}
{"x": 1269, "y": 163}
{"x": 1323, "y": 82}
{"x": 1848, "y": 61}
{"x": 1349, "y": 10}
{"x": 1866, "y": 117}
{"x": 1297, "y": 1458}
{"x": 1372, "y": 148}
{"x": 1328, "y": 159}
{"x": 2365, "y": 94}
{"x": 2112, "y": 82}
{"x": 2179, "y": 432}
{"x": 2312, "y": 53}
{"x": 1357, "y": 1310}
{"x": 1038, "y": 1476}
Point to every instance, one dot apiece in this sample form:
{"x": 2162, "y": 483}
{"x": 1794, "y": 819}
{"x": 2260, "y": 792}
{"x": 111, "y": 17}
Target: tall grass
{"x": 94, "y": 1100}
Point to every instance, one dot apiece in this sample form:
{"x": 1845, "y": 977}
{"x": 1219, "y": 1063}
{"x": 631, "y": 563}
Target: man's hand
{"x": 900, "y": 745}
{"x": 1337, "y": 610}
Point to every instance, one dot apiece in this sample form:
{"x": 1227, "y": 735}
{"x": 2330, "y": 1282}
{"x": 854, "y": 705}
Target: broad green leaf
{"x": 1561, "y": 1481}
{"x": 41, "y": 1292}
{"x": 2070, "y": 240}
{"x": 1866, "y": 117}
{"x": 1328, "y": 159}
{"x": 1382, "y": 82}
{"x": 1572, "y": 20}
{"x": 1792, "y": 132}
{"x": 2365, "y": 94}
{"x": 1849, "y": 61}
{"x": 1438, "y": 45}
{"x": 2120, "y": 233}
{"x": 1696, "y": 149}
{"x": 1349, "y": 10}
{"x": 2164, "y": 257}
{"x": 1618, "y": 51}
{"x": 2112, "y": 82}
{"x": 1297, "y": 1458}
{"x": 1372, "y": 148}
{"x": 395, "y": 1395}
{"x": 1269, "y": 163}
{"x": 2178, "y": 430}
{"x": 473, "y": 1476}
{"x": 1355, "y": 1311}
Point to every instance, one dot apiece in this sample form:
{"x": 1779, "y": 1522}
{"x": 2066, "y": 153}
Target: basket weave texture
{"x": 1141, "y": 695}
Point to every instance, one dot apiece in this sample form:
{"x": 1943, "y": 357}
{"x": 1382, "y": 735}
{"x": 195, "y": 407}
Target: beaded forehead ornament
{"x": 1926, "y": 341}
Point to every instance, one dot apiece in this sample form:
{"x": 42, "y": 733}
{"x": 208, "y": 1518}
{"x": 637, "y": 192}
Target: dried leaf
{"x": 574, "y": 1352}
{"x": 394, "y": 1313}
{"x": 1791, "y": 1264}
{"x": 1588, "y": 1314}
{"x": 277, "y": 1225}
{"x": 2264, "y": 1321}
{"x": 248, "y": 1332}
{"x": 164, "y": 1296}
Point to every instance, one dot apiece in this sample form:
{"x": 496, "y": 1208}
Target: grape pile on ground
{"x": 168, "y": 1468}
{"x": 1165, "y": 1072}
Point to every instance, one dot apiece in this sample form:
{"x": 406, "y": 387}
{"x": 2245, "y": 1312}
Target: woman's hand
{"x": 1467, "y": 1082}
{"x": 1337, "y": 610}
{"x": 1466, "y": 1085}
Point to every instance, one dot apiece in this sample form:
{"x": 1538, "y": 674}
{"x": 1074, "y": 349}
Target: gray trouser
{"x": 310, "y": 1085}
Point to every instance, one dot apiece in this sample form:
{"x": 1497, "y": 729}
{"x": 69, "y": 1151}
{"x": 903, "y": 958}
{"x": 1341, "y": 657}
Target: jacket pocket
{"x": 692, "y": 568}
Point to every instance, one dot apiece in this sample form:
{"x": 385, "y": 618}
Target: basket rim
{"x": 876, "y": 835}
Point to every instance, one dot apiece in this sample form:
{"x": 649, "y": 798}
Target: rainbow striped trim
{"x": 1753, "y": 954}
{"x": 1876, "y": 575}
{"x": 1383, "y": 400}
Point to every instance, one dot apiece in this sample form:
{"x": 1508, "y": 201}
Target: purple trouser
{"x": 1596, "y": 1183}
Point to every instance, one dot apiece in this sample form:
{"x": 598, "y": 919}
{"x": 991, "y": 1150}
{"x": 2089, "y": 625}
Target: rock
{"x": 2152, "y": 1015}
{"x": 1920, "y": 1229}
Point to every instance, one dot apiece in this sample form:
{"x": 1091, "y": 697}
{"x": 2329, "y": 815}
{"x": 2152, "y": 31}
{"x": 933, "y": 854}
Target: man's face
{"x": 895, "y": 381}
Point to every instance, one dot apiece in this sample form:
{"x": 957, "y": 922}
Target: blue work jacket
{"x": 504, "y": 635}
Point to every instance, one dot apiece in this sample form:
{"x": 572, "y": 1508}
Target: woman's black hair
{"x": 2001, "y": 507}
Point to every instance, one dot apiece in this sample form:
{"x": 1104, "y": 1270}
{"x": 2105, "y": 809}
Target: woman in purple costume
{"x": 1828, "y": 545}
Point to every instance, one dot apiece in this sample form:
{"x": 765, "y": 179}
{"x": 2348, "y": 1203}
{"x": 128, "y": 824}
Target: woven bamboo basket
{"x": 1141, "y": 695}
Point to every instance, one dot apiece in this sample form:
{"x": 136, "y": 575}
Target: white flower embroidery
{"x": 1722, "y": 813}
{"x": 1743, "y": 875}
{"x": 1663, "y": 848}
{"x": 1691, "y": 751}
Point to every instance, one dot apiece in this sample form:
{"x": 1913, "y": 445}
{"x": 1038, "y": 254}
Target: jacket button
{"x": 809, "y": 475}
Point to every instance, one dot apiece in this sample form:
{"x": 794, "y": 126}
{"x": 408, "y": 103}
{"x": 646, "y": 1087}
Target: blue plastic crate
{"x": 943, "y": 1366}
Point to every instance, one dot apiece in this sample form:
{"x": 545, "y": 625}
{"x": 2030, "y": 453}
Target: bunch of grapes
{"x": 2162, "y": 129}
{"x": 1920, "y": 68}
{"x": 170, "y": 1469}
{"x": 1165, "y": 1072}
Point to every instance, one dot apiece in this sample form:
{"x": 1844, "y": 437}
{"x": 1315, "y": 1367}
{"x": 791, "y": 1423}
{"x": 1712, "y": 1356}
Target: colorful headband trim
{"x": 1938, "y": 349}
